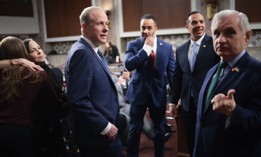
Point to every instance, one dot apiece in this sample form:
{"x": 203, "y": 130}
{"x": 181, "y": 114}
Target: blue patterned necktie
{"x": 213, "y": 84}
{"x": 103, "y": 60}
{"x": 193, "y": 55}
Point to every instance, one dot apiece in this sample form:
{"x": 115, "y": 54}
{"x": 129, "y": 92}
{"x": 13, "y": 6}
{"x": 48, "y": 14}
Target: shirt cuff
{"x": 107, "y": 129}
{"x": 147, "y": 49}
{"x": 171, "y": 104}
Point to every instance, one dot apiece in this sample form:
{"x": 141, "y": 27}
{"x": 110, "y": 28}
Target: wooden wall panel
{"x": 21, "y": 8}
{"x": 62, "y": 17}
{"x": 252, "y": 12}
{"x": 169, "y": 13}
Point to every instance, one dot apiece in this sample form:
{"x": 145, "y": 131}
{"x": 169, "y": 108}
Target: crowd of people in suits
{"x": 94, "y": 113}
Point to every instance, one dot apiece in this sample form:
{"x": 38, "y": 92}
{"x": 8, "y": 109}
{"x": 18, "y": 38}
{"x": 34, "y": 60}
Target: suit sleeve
{"x": 135, "y": 56}
{"x": 170, "y": 71}
{"x": 248, "y": 116}
{"x": 176, "y": 82}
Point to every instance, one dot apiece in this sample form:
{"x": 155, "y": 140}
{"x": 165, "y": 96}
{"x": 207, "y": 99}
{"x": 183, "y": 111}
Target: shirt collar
{"x": 232, "y": 62}
{"x": 198, "y": 41}
{"x": 90, "y": 42}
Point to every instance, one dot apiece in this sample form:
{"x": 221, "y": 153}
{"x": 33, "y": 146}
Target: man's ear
{"x": 248, "y": 36}
{"x": 84, "y": 27}
{"x": 187, "y": 27}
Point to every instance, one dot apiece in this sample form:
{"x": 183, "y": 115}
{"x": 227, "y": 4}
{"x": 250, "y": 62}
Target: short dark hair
{"x": 149, "y": 16}
{"x": 191, "y": 13}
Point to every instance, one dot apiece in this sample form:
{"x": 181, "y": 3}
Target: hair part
{"x": 26, "y": 44}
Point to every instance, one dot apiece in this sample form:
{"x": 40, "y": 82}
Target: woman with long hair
{"x": 24, "y": 97}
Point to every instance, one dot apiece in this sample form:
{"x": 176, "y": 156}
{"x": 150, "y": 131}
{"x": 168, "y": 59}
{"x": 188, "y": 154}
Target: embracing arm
{"x": 20, "y": 61}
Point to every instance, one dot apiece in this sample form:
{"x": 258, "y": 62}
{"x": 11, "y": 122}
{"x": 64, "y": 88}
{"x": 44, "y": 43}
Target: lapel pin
{"x": 204, "y": 45}
{"x": 235, "y": 69}
{"x": 161, "y": 44}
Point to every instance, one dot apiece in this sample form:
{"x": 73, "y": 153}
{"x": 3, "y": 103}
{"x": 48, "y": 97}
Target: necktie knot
{"x": 100, "y": 54}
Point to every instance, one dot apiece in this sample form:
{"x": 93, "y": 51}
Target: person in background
{"x": 57, "y": 138}
{"x": 229, "y": 114}
{"x": 111, "y": 53}
{"x": 38, "y": 56}
{"x": 91, "y": 93}
{"x": 189, "y": 79}
{"x": 152, "y": 61}
{"x": 24, "y": 97}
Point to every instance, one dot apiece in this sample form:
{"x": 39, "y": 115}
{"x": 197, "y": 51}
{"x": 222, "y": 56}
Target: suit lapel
{"x": 159, "y": 53}
{"x": 182, "y": 57}
{"x": 94, "y": 54}
{"x": 233, "y": 73}
{"x": 201, "y": 51}
{"x": 81, "y": 40}
{"x": 205, "y": 87}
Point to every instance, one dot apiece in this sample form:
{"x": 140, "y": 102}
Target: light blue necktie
{"x": 193, "y": 55}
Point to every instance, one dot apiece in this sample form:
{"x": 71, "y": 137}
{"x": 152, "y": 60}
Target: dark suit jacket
{"x": 242, "y": 136}
{"x": 184, "y": 79}
{"x": 145, "y": 82}
{"x": 91, "y": 94}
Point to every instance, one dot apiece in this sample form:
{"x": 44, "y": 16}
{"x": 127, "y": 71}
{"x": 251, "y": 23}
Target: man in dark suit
{"x": 229, "y": 124}
{"x": 91, "y": 92}
{"x": 188, "y": 78}
{"x": 151, "y": 60}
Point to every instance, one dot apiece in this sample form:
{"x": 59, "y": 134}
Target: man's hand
{"x": 126, "y": 75}
{"x": 112, "y": 133}
{"x": 172, "y": 110}
{"x": 150, "y": 41}
{"x": 224, "y": 104}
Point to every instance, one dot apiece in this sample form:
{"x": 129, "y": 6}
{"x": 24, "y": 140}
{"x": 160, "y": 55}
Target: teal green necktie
{"x": 213, "y": 84}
